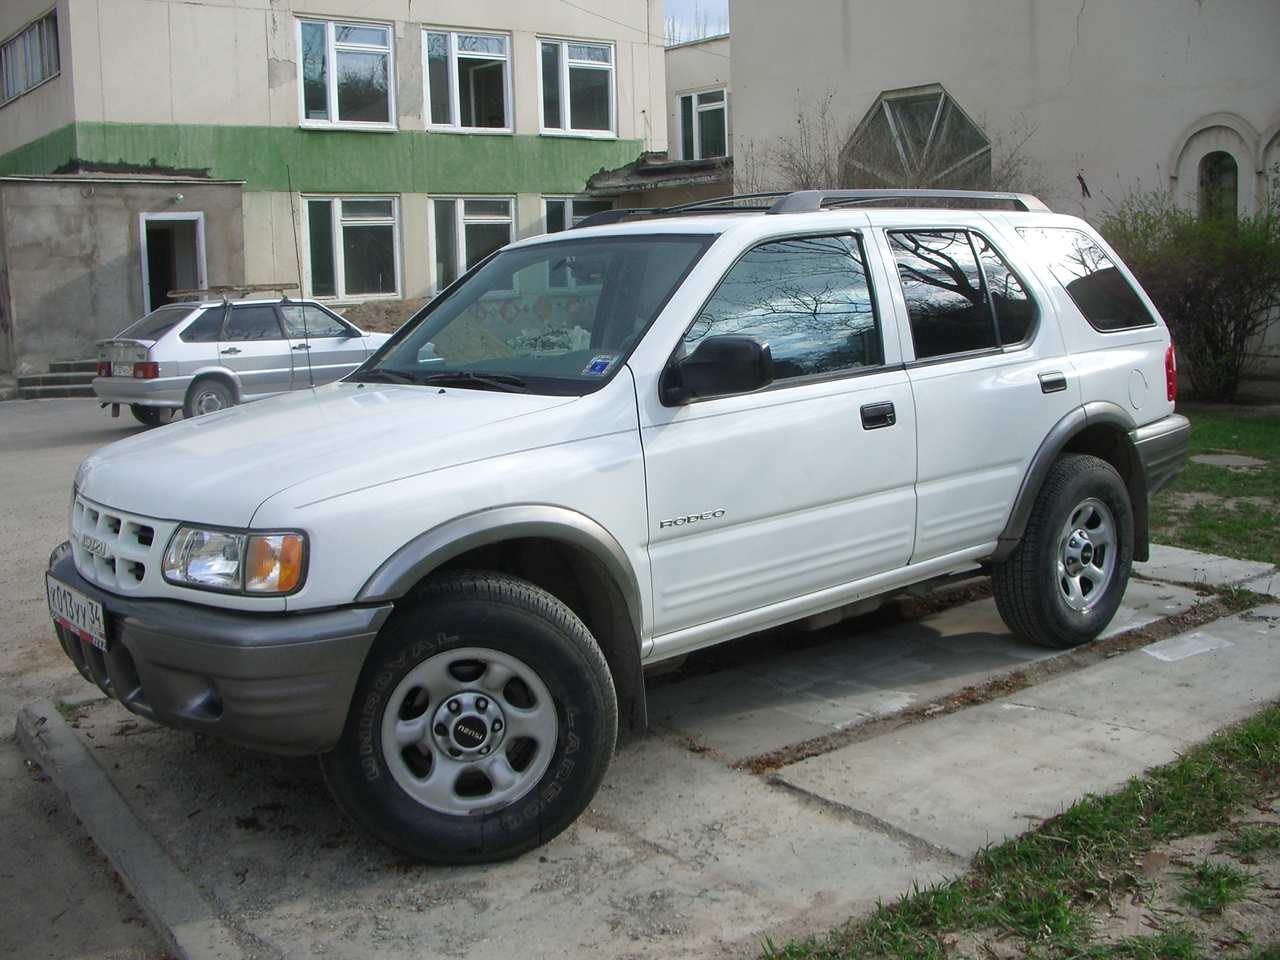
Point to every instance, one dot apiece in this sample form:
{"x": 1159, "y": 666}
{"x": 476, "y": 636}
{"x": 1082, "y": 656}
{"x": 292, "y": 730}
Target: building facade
{"x": 376, "y": 156}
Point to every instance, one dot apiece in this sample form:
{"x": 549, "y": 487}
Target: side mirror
{"x": 718, "y": 365}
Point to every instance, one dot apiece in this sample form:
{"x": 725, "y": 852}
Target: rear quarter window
{"x": 1098, "y": 288}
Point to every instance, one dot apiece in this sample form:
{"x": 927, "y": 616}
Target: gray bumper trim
{"x": 281, "y": 683}
{"x": 1162, "y": 447}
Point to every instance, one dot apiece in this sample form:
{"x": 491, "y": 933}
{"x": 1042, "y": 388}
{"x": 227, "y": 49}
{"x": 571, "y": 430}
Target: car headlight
{"x": 236, "y": 561}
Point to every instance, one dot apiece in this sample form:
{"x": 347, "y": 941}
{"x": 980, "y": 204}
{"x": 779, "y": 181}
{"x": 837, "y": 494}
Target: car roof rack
{"x": 225, "y": 292}
{"x": 810, "y": 201}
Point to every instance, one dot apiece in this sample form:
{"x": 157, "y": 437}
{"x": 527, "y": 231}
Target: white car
{"x": 199, "y": 357}
{"x": 606, "y": 448}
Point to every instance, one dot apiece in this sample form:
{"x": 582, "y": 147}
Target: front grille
{"x": 118, "y": 551}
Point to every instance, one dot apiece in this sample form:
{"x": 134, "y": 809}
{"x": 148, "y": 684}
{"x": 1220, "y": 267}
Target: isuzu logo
{"x": 469, "y": 733}
{"x": 94, "y": 545}
{"x": 692, "y": 518}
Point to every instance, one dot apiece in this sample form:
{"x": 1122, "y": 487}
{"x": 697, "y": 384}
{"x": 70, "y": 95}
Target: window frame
{"x": 723, "y": 105}
{"x": 274, "y": 307}
{"x": 566, "y": 110}
{"x": 331, "y": 47}
{"x": 336, "y": 221}
{"x": 885, "y": 366}
{"x": 15, "y": 50}
{"x": 455, "y": 104}
{"x": 352, "y": 330}
{"x": 460, "y": 221}
{"x": 1033, "y": 329}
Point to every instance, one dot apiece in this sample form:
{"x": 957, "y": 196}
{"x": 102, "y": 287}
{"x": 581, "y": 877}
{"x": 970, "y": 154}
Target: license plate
{"x": 76, "y": 612}
{"x": 122, "y": 369}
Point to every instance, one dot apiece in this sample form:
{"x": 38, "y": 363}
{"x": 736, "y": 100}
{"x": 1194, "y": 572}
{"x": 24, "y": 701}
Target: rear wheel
{"x": 1064, "y": 582}
{"x": 207, "y": 396}
{"x": 482, "y": 724}
{"x": 147, "y": 416}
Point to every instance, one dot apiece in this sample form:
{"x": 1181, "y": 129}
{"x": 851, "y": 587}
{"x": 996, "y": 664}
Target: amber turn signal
{"x": 274, "y": 563}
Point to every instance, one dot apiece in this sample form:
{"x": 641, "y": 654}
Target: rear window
{"x": 157, "y": 323}
{"x": 1099, "y": 290}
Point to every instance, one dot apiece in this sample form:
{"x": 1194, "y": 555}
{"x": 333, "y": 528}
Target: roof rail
{"x": 710, "y": 205}
{"x": 807, "y": 201}
{"x": 224, "y": 291}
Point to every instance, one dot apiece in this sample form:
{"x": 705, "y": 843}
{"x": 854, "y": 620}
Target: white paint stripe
{"x": 1188, "y": 645}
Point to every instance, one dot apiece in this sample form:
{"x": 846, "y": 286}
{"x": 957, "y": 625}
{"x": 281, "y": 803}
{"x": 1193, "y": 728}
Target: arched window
{"x": 1218, "y": 185}
{"x": 917, "y": 138}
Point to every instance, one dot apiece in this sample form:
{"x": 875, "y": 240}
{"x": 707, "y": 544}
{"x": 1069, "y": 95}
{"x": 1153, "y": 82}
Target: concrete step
{"x": 45, "y": 393}
{"x": 73, "y": 366}
{"x": 56, "y": 379}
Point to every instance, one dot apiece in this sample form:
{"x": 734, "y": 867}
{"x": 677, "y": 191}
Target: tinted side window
{"x": 807, "y": 297}
{"x": 307, "y": 321}
{"x": 1101, "y": 292}
{"x": 1015, "y": 310}
{"x": 946, "y": 301}
{"x": 205, "y": 328}
{"x": 252, "y": 323}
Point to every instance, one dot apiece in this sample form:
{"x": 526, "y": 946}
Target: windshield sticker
{"x": 600, "y": 365}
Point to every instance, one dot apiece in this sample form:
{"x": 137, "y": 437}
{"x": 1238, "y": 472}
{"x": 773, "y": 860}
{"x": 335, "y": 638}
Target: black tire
{"x": 1029, "y": 589}
{"x": 147, "y": 416}
{"x": 516, "y": 619}
{"x": 211, "y": 388}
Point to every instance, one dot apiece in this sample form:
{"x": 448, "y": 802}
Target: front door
{"x": 254, "y": 347}
{"x": 761, "y": 498}
{"x": 324, "y": 348}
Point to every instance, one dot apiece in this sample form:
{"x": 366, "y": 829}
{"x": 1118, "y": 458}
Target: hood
{"x": 218, "y": 468}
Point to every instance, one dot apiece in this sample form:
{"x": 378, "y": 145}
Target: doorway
{"x": 173, "y": 256}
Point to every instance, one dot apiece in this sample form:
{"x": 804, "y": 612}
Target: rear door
{"x": 324, "y": 348}
{"x": 988, "y": 371}
{"x": 254, "y": 347}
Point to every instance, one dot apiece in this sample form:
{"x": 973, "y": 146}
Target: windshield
{"x": 551, "y": 318}
{"x": 158, "y": 322}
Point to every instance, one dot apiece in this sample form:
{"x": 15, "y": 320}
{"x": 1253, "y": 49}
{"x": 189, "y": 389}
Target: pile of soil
{"x": 383, "y": 316}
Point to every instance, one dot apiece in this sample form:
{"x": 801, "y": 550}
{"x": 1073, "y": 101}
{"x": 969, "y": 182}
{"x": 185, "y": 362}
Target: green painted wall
{"x": 407, "y": 161}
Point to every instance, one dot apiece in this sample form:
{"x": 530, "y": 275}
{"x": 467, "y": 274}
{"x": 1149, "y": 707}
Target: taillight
{"x": 1170, "y": 374}
{"x": 146, "y": 371}
{"x": 104, "y": 368}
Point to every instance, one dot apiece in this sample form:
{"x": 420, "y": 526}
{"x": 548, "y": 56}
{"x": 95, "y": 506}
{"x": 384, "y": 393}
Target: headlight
{"x": 234, "y": 561}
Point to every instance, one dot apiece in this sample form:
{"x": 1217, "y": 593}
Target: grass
{"x": 1209, "y": 887}
{"x": 1230, "y": 525}
{"x": 1041, "y": 887}
{"x": 1249, "y": 840}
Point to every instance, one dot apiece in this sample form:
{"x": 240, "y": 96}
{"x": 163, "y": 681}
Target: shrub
{"x": 1215, "y": 280}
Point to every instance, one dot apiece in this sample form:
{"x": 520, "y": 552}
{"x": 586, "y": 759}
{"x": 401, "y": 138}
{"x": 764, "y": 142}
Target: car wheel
{"x": 207, "y": 396}
{"x": 147, "y": 416}
{"x": 481, "y": 726}
{"x": 1063, "y": 583}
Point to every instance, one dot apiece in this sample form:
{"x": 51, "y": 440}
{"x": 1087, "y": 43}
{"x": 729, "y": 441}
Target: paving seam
{"x": 917, "y": 845}
{"x": 1077, "y": 716}
{"x": 183, "y": 919}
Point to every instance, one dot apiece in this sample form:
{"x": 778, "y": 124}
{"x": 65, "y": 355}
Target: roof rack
{"x": 225, "y": 291}
{"x": 809, "y": 201}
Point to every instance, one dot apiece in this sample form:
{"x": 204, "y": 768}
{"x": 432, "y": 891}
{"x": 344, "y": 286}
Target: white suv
{"x": 608, "y": 447}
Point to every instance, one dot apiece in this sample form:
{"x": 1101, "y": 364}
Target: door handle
{"x": 1055, "y": 381}
{"x": 302, "y": 346}
{"x": 877, "y": 415}
{"x": 231, "y": 350}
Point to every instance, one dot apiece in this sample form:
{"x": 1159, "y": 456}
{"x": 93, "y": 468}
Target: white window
{"x": 353, "y": 247}
{"x": 468, "y": 80}
{"x": 577, "y": 88}
{"x": 704, "y": 125}
{"x": 29, "y": 58}
{"x": 468, "y": 229}
{"x": 346, "y": 74}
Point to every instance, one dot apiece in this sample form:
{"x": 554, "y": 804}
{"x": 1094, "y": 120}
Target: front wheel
{"x": 482, "y": 724}
{"x": 1064, "y": 582}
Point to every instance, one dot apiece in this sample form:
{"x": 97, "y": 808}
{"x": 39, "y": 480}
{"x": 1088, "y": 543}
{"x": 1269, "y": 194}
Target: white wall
{"x": 1113, "y": 90}
{"x": 47, "y": 107}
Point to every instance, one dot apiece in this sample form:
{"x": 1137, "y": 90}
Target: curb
{"x": 182, "y": 918}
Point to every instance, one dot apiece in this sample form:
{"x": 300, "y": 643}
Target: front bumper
{"x": 166, "y": 392}
{"x": 280, "y": 683}
{"x": 1162, "y": 447}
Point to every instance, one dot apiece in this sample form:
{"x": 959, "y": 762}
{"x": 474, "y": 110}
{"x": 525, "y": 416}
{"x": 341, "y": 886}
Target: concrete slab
{"x": 1232, "y": 461}
{"x": 1268, "y": 583}
{"x": 1177, "y": 565}
{"x": 981, "y": 774}
{"x": 768, "y": 702}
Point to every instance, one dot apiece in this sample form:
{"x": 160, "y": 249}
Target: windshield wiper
{"x": 385, "y": 375}
{"x": 488, "y": 381}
